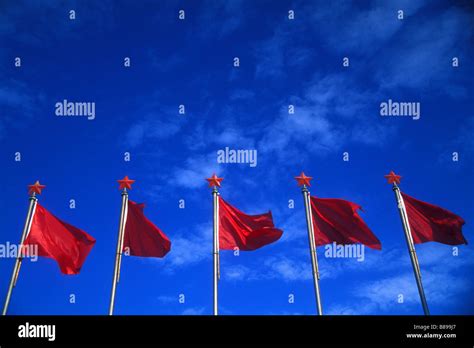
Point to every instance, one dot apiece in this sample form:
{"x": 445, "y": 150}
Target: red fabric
{"x": 337, "y": 220}
{"x": 429, "y": 222}
{"x": 66, "y": 244}
{"x": 142, "y": 237}
{"x": 246, "y": 232}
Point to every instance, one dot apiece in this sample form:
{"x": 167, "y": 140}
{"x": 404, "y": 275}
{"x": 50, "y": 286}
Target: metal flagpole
{"x": 214, "y": 182}
{"x": 34, "y": 189}
{"x": 124, "y": 185}
{"x": 118, "y": 255}
{"x": 394, "y": 179}
{"x": 304, "y": 181}
{"x": 215, "y": 195}
{"x": 312, "y": 247}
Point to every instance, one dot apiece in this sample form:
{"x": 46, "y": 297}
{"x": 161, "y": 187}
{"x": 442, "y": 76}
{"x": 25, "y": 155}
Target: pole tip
{"x": 303, "y": 180}
{"x": 36, "y": 188}
{"x": 125, "y": 183}
{"x": 393, "y": 178}
{"x": 214, "y": 181}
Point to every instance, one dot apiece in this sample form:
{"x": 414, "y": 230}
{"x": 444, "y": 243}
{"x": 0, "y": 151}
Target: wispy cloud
{"x": 196, "y": 169}
{"x": 443, "y": 280}
{"x": 93, "y": 19}
{"x": 329, "y": 114}
{"x": 288, "y": 269}
{"x": 331, "y": 110}
{"x": 444, "y": 284}
{"x": 428, "y": 49}
{"x": 19, "y": 104}
{"x": 237, "y": 272}
{"x": 190, "y": 248}
{"x": 242, "y": 94}
{"x": 194, "y": 311}
{"x": 152, "y": 129}
{"x": 221, "y": 18}
{"x": 270, "y": 56}
{"x": 167, "y": 299}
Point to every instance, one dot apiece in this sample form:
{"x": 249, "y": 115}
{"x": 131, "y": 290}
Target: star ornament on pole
{"x": 303, "y": 180}
{"x": 36, "y": 188}
{"x": 125, "y": 183}
{"x": 214, "y": 181}
{"x": 393, "y": 178}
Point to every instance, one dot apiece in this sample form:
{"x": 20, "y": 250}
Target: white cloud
{"x": 236, "y": 272}
{"x": 19, "y": 104}
{"x": 428, "y": 48}
{"x": 221, "y": 18}
{"x": 189, "y": 248}
{"x": 152, "y": 129}
{"x": 167, "y": 299}
{"x": 194, "y": 311}
{"x": 241, "y": 95}
{"x": 270, "y": 56}
{"x": 443, "y": 282}
{"x": 233, "y": 138}
{"x": 288, "y": 269}
{"x": 330, "y": 113}
{"x": 442, "y": 274}
{"x": 196, "y": 169}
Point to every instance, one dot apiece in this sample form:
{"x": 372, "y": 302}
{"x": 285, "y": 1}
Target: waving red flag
{"x": 430, "y": 223}
{"x": 142, "y": 237}
{"x": 66, "y": 244}
{"x": 246, "y": 232}
{"x": 337, "y": 220}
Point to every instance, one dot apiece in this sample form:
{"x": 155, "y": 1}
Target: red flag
{"x": 246, "y": 232}
{"x": 429, "y": 222}
{"x": 337, "y": 220}
{"x": 142, "y": 237}
{"x": 66, "y": 244}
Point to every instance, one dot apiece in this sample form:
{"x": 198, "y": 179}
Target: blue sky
{"x": 282, "y": 62}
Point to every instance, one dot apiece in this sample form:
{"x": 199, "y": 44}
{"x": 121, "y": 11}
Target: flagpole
{"x": 312, "y": 247}
{"x": 118, "y": 255}
{"x": 34, "y": 189}
{"x": 215, "y": 195}
{"x": 215, "y": 182}
{"x": 125, "y": 184}
{"x": 394, "y": 179}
